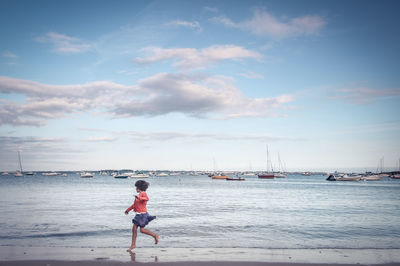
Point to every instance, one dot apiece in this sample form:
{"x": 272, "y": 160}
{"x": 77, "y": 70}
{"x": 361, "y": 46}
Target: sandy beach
{"x": 21, "y": 256}
{"x": 116, "y": 263}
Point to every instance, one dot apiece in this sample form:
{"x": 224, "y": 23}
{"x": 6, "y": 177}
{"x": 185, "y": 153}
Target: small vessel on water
{"x": 139, "y": 175}
{"x": 371, "y": 178}
{"x": 162, "y": 174}
{"x": 120, "y": 176}
{"x": 249, "y": 174}
{"x": 270, "y": 173}
{"x": 219, "y": 176}
{"x": 86, "y": 175}
{"x": 349, "y": 178}
{"x": 343, "y": 177}
{"x": 50, "y": 174}
{"x": 280, "y": 175}
{"x": 267, "y": 175}
{"x": 281, "y": 172}
{"x": 19, "y": 173}
{"x": 235, "y": 179}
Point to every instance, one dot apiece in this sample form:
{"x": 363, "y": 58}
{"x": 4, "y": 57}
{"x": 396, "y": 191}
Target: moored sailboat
{"x": 120, "y": 175}
{"x": 343, "y": 177}
{"x": 86, "y": 175}
{"x": 139, "y": 174}
{"x": 19, "y": 172}
{"x": 280, "y": 173}
{"x": 371, "y": 178}
{"x": 270, "y": 173}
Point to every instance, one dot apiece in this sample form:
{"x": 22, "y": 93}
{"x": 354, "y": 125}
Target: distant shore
{"x": 21, "y": 256}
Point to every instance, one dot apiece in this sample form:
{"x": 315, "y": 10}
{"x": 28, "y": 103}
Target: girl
{"x": 142, "y": 218}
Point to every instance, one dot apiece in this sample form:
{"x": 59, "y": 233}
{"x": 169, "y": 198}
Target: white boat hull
{"x": 139, "y": 176}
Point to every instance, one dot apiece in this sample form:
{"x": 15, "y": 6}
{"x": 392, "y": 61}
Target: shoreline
{"x": 10, "y": 255}
{"x": 187, "y": 263}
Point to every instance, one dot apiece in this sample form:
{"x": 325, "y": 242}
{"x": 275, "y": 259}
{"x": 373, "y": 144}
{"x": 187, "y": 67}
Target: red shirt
{"x": 140, "y": 203}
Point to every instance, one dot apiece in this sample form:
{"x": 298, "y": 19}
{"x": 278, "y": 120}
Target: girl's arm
{"x": 143, "y": 196}
{"x": 130, "y": 208}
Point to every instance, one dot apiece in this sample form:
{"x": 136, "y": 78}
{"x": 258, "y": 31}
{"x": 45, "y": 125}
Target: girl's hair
{"x": 142, "y": 185}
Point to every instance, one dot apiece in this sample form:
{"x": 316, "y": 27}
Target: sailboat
{"x": 376, "y": 177}
{"x": 86, "y": 175}
{"x": 217, "y": 175}
{"x": 19, "y": 173}
{"x": 396, "y": 176}
{"x": 371, "y": 178}
{"x": 250, "y": 173}
{"x": 139, "y": 174}
{"x": 280, "y": 174}
{"x": 269, "y": 174}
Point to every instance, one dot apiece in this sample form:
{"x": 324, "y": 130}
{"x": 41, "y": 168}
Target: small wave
{"x": 68, "y": 234}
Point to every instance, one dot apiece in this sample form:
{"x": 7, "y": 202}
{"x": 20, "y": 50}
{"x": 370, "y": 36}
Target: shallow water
{"x": 196, "y": 211}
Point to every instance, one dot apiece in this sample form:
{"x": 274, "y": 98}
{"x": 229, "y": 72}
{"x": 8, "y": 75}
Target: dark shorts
{"x": 142, "y": 219}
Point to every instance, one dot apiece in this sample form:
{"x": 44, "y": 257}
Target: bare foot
{"x": 130, "y": 249}
{"x": 133, "y": 256}
{"x": 156, "y": 238}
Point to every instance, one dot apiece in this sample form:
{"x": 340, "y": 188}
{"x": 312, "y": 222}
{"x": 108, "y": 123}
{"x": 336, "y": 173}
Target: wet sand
{"x": 116, "y": 263}
{"x": 21, "y": 256}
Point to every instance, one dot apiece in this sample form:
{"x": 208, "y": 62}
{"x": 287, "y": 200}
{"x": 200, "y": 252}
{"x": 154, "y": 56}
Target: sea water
{"x": 296, "y": 212}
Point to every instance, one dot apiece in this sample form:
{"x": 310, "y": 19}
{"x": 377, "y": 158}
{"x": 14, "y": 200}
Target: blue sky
{"x": 199, "y": 85}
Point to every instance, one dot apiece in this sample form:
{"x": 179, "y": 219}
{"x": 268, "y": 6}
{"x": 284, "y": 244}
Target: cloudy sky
{"x": 199, "y": 85}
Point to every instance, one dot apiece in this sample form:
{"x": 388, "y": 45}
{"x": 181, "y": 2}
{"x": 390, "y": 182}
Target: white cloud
{"x": 39, "y": 90}
{"x": 65, "y": 44}
{"x": 36, "y": 151}
{"x": 198, "y": 96}
{"x": 252, "y": 75}
{"x": 364, "y": 95}
{"x": 189, "y": 24}
{"x": 189, "y": 58}
{"x": 265, "y": 24}
{"x": 165, "y": 136}
{"x": 171, "y": 135}
{"x": 8, "y": 54}
{"x": 101, "y": 139}
{"x": 30, "y": 144}
{"x": 211, "y": 9}
{"x": 195, "y": 95}
{"x": 225, "y": 21}
{"x": 45, "y": 101}
{"x": 10, "y": 58}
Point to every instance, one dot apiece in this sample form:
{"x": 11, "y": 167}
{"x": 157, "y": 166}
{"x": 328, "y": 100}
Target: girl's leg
{"x": 134, "y": 234}
{"x": 150, "y": 233}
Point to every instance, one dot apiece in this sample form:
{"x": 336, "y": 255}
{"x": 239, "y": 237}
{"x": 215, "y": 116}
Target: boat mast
{"x": 280, "y": 163}
{"x": 380, "y": 165}
{"x": 215, "y": 165}
{"x": 19, "y": 159}
{"x": 269, "y": 162}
